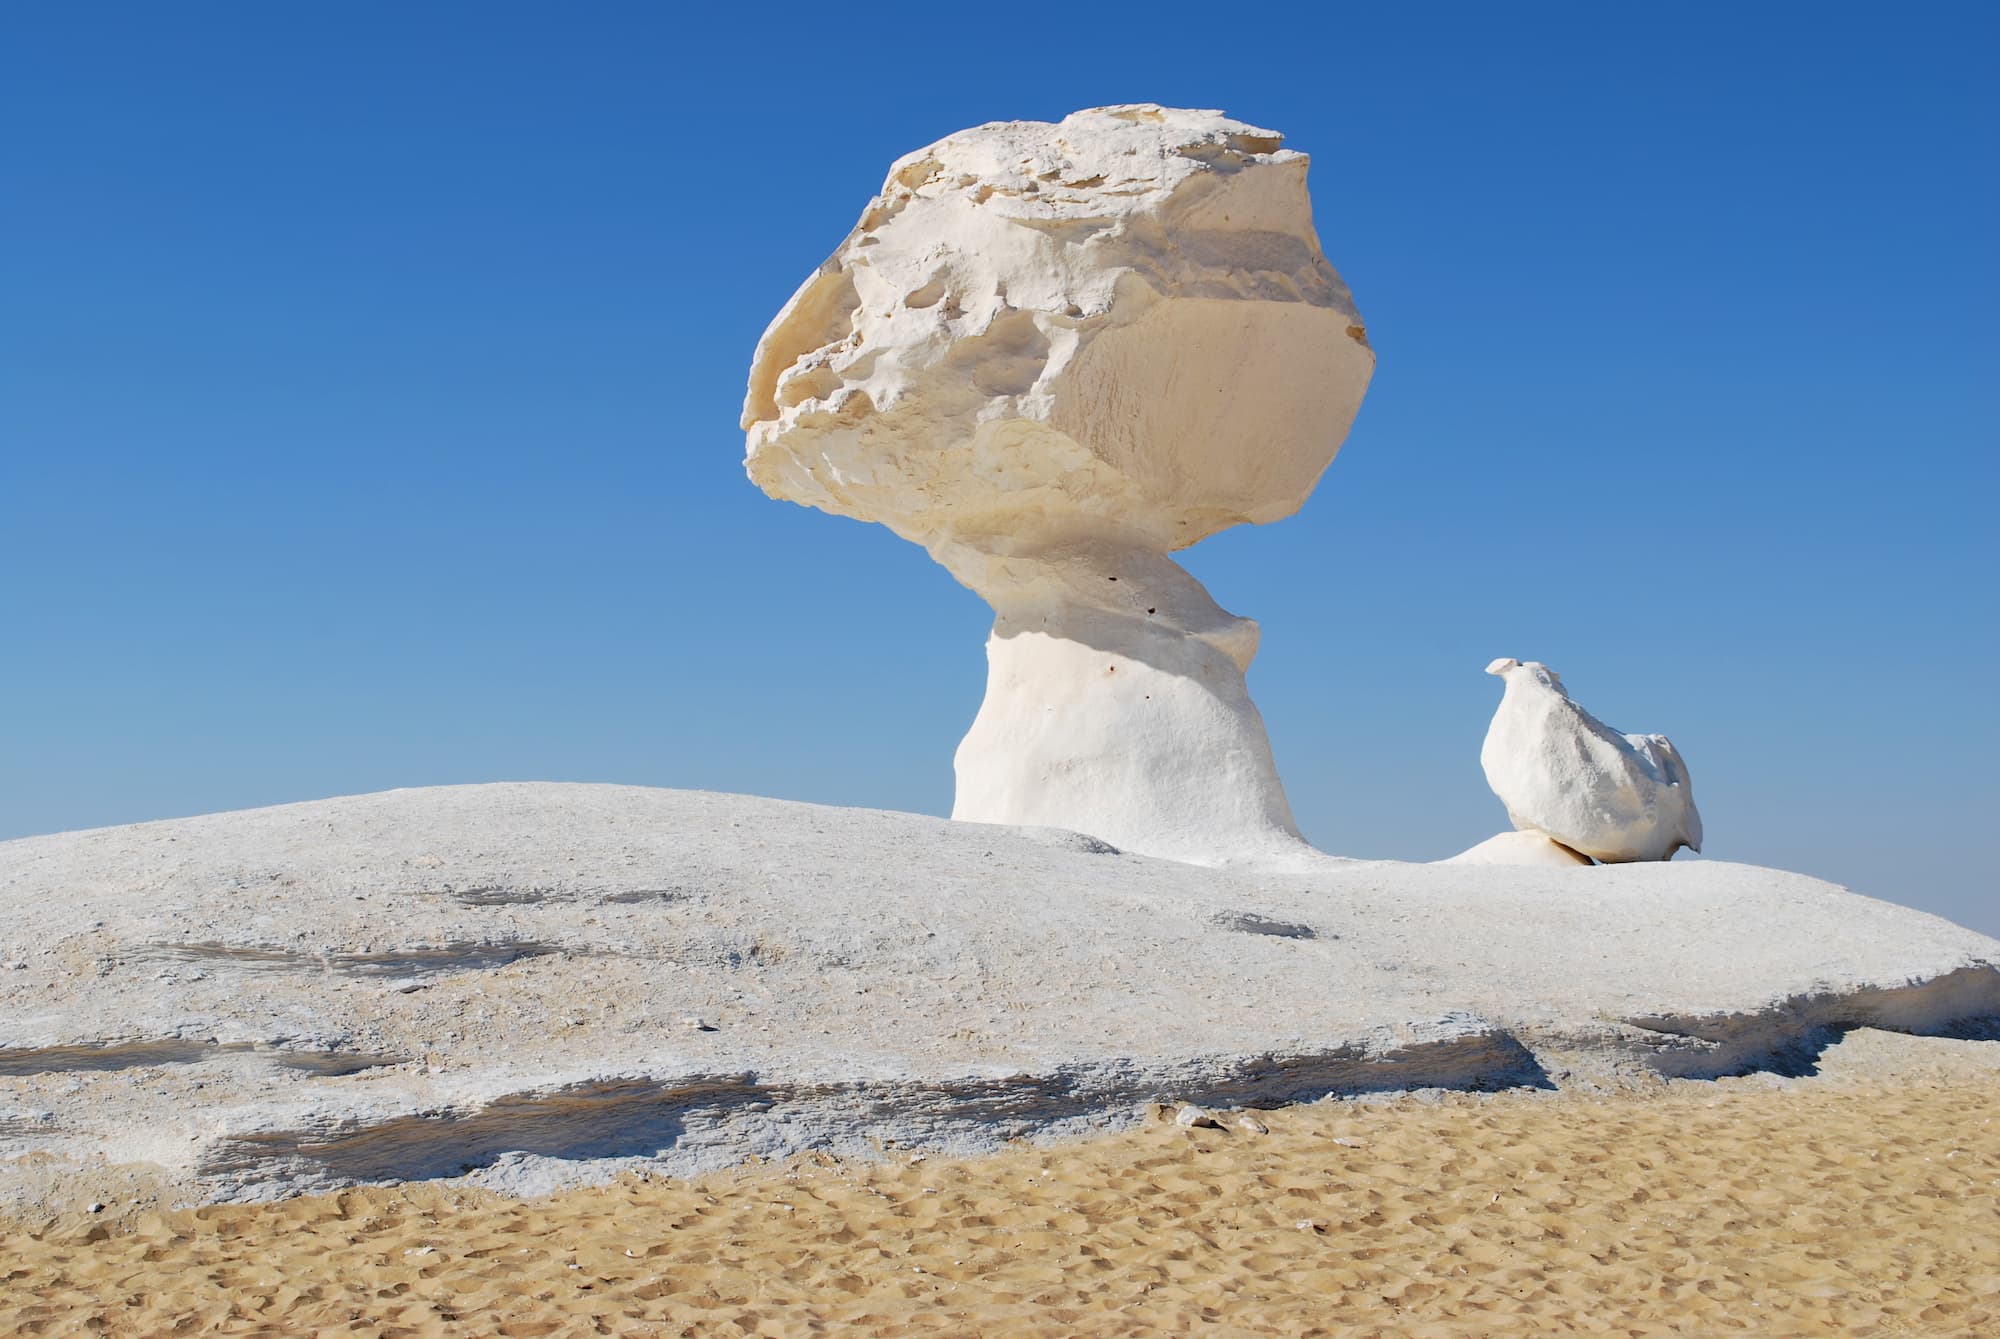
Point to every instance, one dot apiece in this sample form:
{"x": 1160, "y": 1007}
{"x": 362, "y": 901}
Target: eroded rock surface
{"x": 1053, "y": 353}
{"x": 213, "y": 998}
{"x": 1565, "y": 774}
{"x": 1122, "y": 319}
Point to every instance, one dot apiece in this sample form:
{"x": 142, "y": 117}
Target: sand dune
{"x": 1865, "y": 1201}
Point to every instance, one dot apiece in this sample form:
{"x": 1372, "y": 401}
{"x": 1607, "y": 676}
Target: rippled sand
{"x": 1849, "y": 1205}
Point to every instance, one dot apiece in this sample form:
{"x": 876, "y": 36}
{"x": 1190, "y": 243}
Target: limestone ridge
{"x": 1052, "y": 354}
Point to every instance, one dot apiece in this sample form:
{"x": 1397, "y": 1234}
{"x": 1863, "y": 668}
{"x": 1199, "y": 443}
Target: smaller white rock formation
{"x": 1565, "y": 774}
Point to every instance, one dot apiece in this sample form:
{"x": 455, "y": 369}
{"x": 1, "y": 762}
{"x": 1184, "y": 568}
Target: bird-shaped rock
{"x": 1562, "y": 772}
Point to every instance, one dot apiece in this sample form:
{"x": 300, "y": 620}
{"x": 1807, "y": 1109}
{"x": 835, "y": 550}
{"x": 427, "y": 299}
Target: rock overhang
{"x": 1123, "y": 318}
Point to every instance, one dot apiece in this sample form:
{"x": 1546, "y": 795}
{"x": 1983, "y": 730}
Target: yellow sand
{"x": 1849, "y": 1208}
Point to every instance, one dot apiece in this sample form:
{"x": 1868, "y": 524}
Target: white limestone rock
{"x": 222, "y": 997}
{"x": 1563, "y": 773}
{"x": 1519, "y": 848}
{"x": 1053, "y": 354}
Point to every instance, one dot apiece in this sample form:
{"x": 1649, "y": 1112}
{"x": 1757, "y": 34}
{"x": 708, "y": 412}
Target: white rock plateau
{"x": 1052, "y": 354}
{"x": 495, "y": 982}
{"x": 1565, "y": 774}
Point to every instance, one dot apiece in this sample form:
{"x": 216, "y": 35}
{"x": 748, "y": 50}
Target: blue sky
{"x": 369, "y": 378}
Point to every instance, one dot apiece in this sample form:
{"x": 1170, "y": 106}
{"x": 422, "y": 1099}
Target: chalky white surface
{"x": 500, "y": 979}
{"x": 1565, "y": 774}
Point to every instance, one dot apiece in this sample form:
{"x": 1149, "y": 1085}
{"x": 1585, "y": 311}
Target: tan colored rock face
{"x": 1039, "y": 330}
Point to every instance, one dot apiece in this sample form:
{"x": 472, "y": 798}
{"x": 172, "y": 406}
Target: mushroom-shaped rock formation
{"x": 1053, "y": 354}
{"x": 1563, "y": 773}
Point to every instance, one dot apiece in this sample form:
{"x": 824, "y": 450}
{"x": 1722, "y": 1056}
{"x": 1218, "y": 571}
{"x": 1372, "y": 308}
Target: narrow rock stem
{"x": 1115, "y": 704}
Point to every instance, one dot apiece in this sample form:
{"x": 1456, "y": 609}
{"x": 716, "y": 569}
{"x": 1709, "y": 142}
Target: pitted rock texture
{"x": 1123, "y": 318}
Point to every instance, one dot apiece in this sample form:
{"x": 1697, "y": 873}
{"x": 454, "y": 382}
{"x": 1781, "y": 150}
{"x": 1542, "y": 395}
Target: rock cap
{"x": 1122, "y": 319}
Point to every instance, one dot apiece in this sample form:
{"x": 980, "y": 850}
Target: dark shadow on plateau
{"x": 1789, "y": 1038}
{"x": 629, "y": 1118}
{"x": 15, "y": 1061}
{"x": 460, "y": 956}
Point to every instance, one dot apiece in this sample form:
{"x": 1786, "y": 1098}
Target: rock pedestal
{"x": 1115, "y": 704}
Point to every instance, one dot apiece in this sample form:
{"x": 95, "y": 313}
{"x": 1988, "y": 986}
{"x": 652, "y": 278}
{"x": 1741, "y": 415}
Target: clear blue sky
{"x": 369, "y": 377}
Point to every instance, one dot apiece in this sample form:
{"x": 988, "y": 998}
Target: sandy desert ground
{"x": 1863, "y": 1200}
